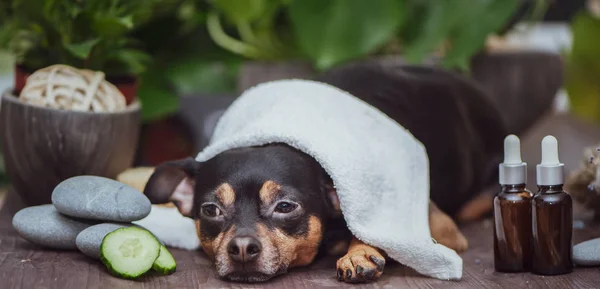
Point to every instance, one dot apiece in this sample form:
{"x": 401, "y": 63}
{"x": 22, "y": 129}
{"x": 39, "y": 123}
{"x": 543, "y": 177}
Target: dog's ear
{"x": 174, "y": 181}
{"x": 332, "y": 198}
{"x": 330, "y": 193}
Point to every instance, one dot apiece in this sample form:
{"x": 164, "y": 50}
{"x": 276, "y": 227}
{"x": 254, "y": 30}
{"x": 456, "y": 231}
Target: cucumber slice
{"x": 129, "y": 252}
{"x": 165, "y": 264}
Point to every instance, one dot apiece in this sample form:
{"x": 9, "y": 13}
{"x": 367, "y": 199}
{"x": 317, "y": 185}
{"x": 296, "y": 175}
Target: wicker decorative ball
{"x": 68, "y": 88}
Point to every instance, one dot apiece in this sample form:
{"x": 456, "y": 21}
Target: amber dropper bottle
{"x": 512, "y": 212}
{"x": 552, "y": 216}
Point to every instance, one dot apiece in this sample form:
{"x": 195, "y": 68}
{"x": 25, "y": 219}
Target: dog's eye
{"x": 211, "y": 210}
{"x": 285, "y": 207}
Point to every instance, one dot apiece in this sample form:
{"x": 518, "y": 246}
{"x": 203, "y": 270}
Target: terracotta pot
{"x": 164, "y": 140}
{"x": 43, "y": 146}
{"x": 128, "y": 85}
{"x": 21, "y": 74}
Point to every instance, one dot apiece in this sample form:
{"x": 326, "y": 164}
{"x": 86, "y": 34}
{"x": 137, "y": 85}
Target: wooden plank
{"x": 24, "y": 265}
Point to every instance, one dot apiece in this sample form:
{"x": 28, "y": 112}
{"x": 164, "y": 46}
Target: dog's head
{"x": 258, "y": 211}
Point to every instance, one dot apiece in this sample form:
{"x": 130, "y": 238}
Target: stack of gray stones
{"x": 84, "y": 210}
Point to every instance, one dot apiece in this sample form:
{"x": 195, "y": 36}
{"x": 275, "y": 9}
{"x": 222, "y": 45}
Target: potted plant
{"x": 326, "y": 34}
{"x": 149, "y": 49}
{"x": 73, "y": 122}
{"x": 187, "y": 77}
{"x": 292, "y": 38}
{"x": 91, "y": 34}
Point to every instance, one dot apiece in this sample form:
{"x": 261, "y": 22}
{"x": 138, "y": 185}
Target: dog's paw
{"x": 362, "y": 264}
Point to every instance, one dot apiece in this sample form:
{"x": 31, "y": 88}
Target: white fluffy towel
{"x": 380, "y": 171}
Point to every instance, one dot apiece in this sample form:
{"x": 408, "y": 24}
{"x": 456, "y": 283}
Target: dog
{"x": 260, "y": 211}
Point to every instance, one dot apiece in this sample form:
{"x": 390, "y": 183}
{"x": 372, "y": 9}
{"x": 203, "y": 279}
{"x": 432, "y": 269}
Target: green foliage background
{"x": 189, "y": 46}
{"x": 183, "y": 47}
{"x": 328, "y": 33}
{"x": 583, "y": 67}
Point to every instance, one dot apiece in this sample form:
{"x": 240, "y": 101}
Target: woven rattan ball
{"x": 69, "y": 88}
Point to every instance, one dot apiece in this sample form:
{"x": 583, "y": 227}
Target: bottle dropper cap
{"x": 513, "y": 171}
{"x": 550, "y": 171}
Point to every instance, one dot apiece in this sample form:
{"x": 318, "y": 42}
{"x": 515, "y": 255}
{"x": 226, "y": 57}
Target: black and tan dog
{"x": 260, "y": 211}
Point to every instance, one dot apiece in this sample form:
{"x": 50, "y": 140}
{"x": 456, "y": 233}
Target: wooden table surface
{"x": 24, "y": 265}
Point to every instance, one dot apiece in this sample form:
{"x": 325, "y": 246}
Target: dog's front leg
{"x": 445, "y": 231}
{"x": 362, "y": 263}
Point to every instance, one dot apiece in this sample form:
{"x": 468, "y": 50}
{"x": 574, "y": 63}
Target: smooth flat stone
{"x": 98, "y": 198}
{"x": 45, "y": 226}
{"x": 587, "y": 253}
{"x": 90, "y": 239}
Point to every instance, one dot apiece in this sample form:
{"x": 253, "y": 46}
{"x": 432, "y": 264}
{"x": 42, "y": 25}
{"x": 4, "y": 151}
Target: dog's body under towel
{"x": 390, "y": 140}
{"x": 380, "y": 171}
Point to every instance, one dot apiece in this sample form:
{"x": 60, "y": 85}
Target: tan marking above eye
{"x": 269, "y": 191}
{"x": 225, "y": 194}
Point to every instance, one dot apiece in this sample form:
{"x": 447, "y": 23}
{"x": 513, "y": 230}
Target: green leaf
{"x": 82, "y": 50}
{"x": 126, "y": 21}
{"x": 471, "y": 32}
{"x": 111, "y": 26}
{"x": 241, "y": 11}
{"x": 434, "y": 23}
{"x": 586, "y": 43}
{"x": 57, "y": 31}
{"x": 197, "y": 65}
{"x": 7, "y": 61}
{"x": 7, "y": 34}
{"x": 156, "y": 96}
{"x": 201, "y": 75}
{"x": 583, "y": 67}
{"x": 583, "y": 89}
{"x": 331, "y": 32}
{"x": 132, "y": 61}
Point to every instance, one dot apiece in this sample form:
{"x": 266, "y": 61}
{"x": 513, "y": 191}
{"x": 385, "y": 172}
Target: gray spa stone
{"x": 90, "y": 239}
{"x": 98, "y": 198}
{"x": 587, "y": 253}
{"x": 44, "y": 226}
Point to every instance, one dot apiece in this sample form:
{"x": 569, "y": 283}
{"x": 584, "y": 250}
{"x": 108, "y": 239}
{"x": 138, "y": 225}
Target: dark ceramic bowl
{"x": 43, "y": 146}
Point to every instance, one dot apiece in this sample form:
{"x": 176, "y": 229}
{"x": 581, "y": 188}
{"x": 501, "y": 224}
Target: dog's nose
{"x": 243, "y": 249}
